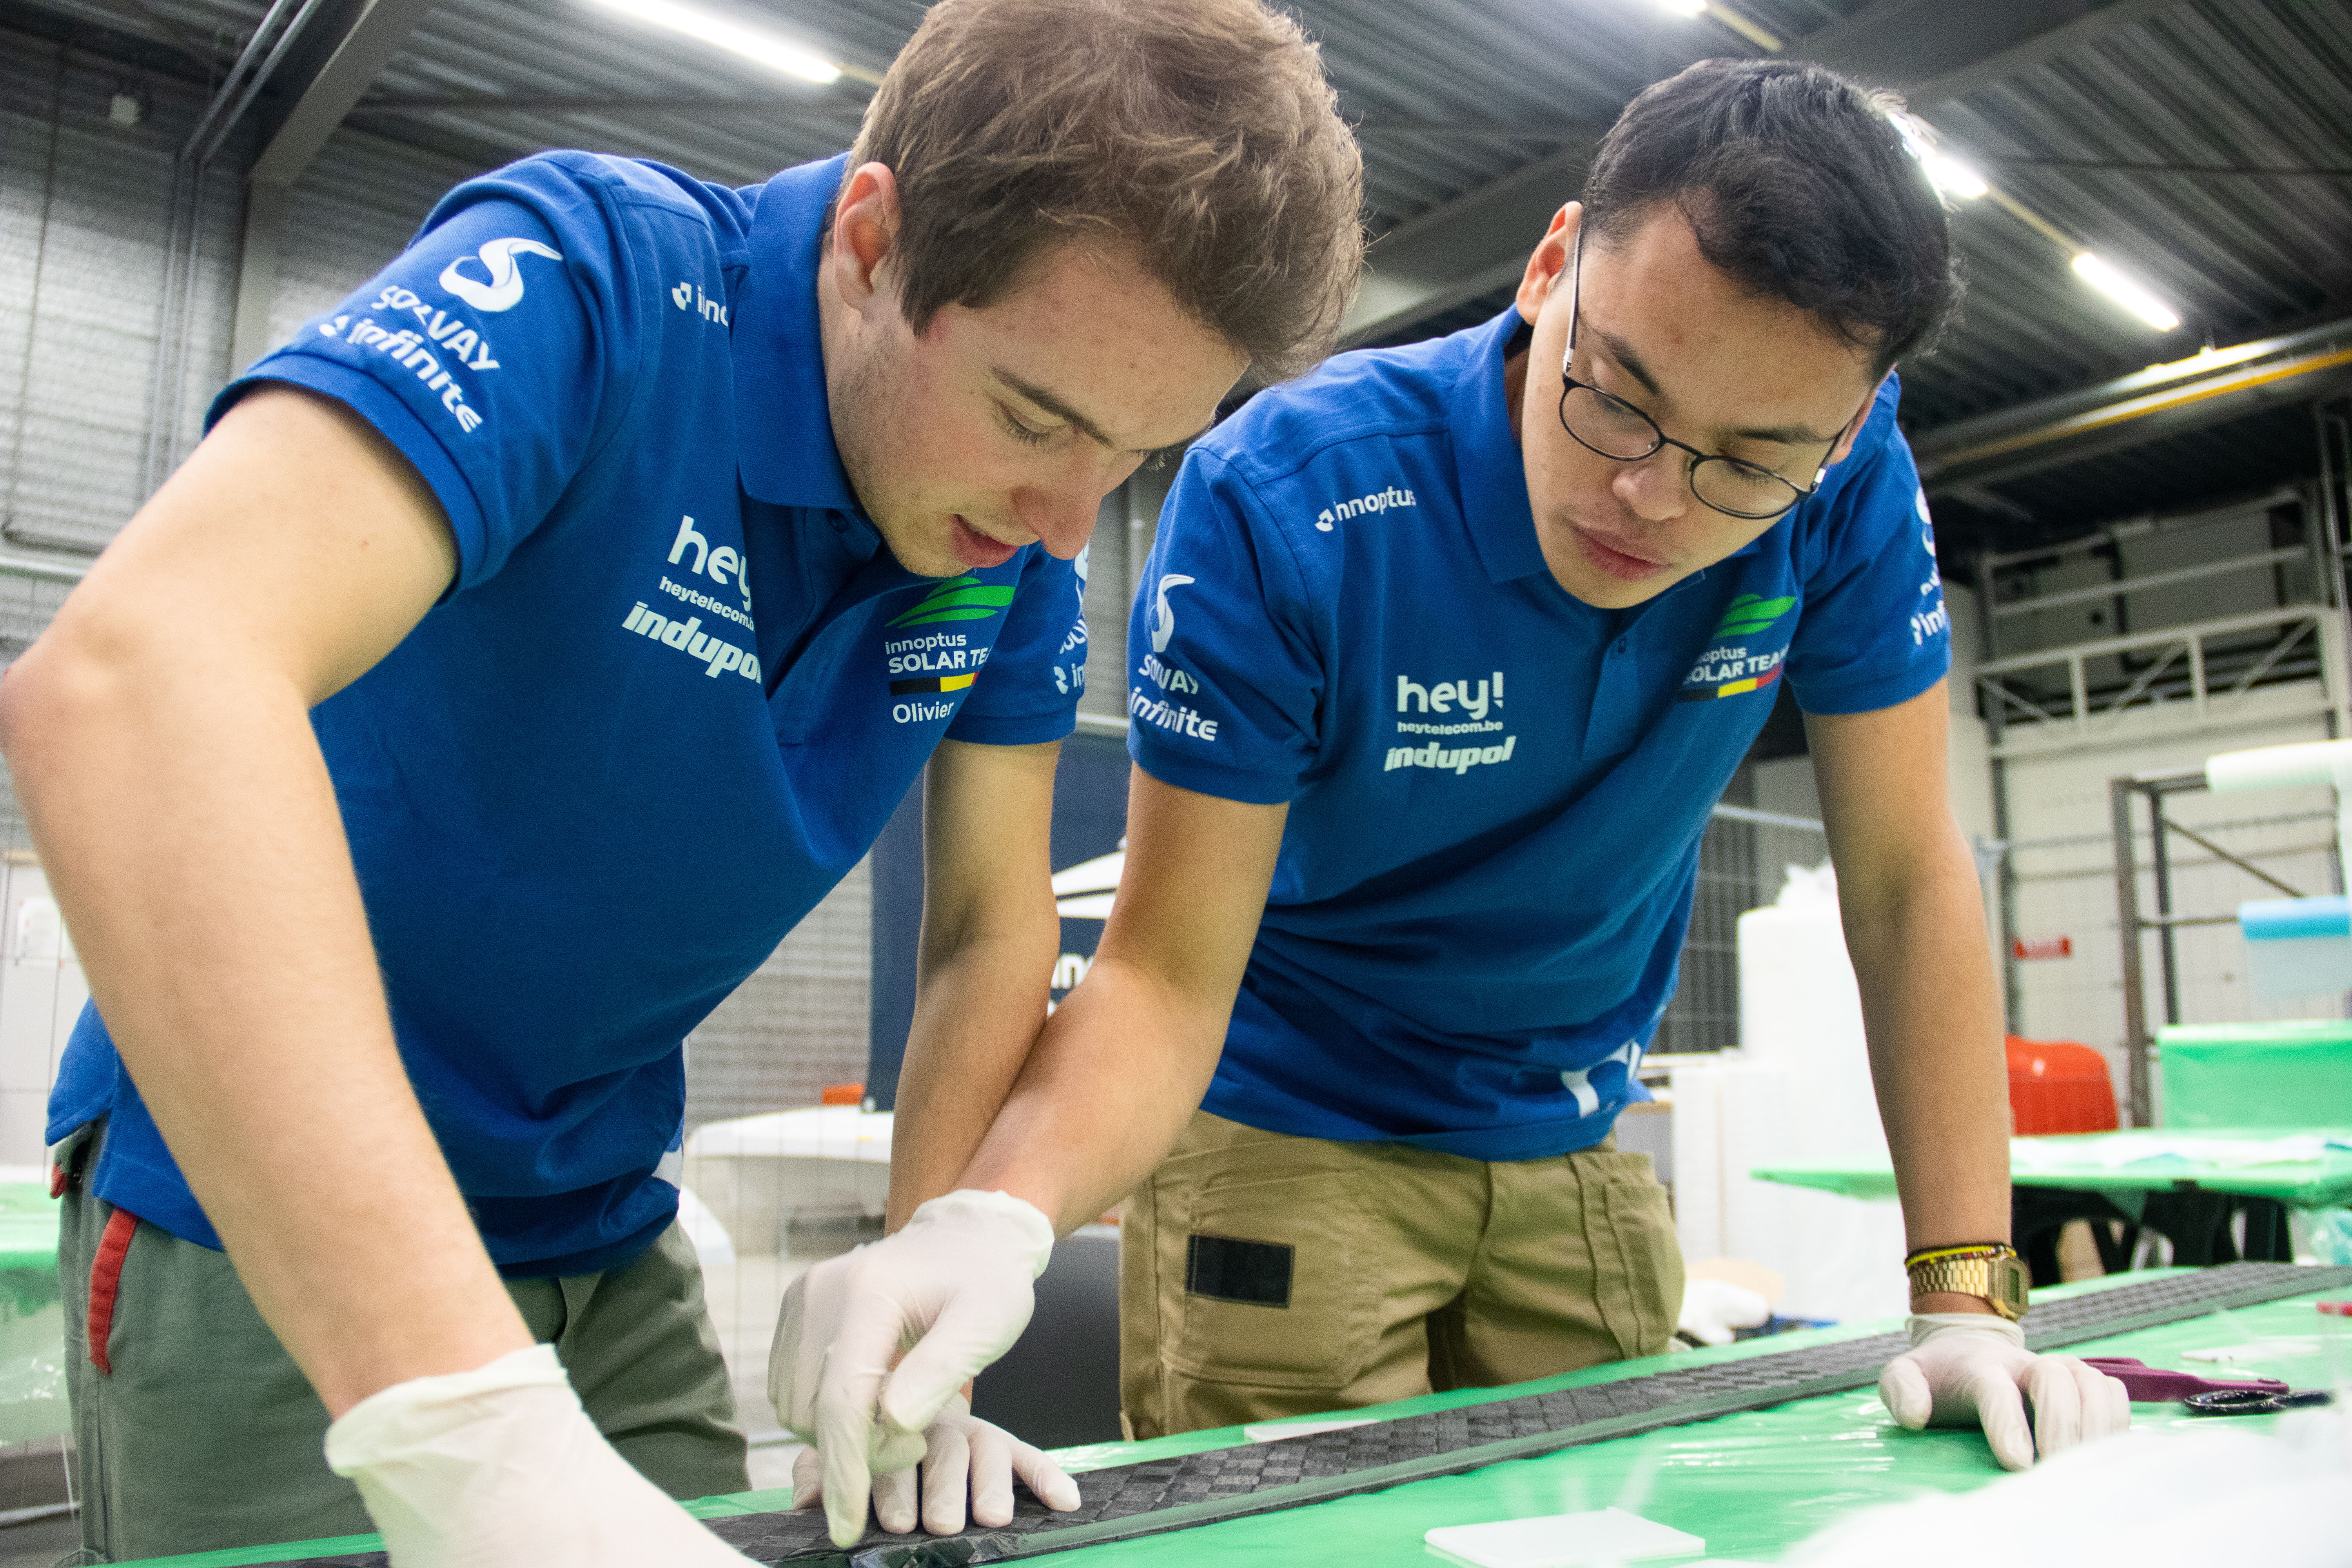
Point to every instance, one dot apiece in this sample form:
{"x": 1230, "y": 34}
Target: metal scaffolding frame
{"x": 2133, "y": 925}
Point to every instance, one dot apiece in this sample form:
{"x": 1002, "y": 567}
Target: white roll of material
{"x": 2292, "y": 947}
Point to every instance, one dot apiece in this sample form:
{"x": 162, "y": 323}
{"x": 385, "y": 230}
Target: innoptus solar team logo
{"x": 928, "y": 656}
{"x": 1744, "y": 651}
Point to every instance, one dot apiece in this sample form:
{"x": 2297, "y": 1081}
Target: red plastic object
{"x": 854, "y": 1094}
{"x": 2058, "y": 1086}
{"x": 2338, "y": 1309}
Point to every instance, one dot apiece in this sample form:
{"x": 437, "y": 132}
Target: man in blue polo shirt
{"x": 531, "y": 643}
{"x": 1440, "y": 661}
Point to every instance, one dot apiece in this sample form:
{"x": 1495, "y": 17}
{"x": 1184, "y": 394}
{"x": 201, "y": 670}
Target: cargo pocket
{"x": 1637, "y": 1262}
{"x": 1269, "y": 1276}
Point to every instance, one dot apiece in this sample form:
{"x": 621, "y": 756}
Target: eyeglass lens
{"x": 1618, "y": 430}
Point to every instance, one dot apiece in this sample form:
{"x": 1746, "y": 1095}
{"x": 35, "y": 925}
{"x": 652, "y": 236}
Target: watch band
{"x": 1991, "y": 1271}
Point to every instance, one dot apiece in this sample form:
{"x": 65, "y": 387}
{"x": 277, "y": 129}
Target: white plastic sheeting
{"x": 1799, "y": 1088}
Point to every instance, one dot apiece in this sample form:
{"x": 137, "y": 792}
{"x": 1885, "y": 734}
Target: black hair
{"x": 1798, "y": 184}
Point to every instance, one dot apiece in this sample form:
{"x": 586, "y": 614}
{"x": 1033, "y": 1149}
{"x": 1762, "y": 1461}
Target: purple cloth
{"x": 2145, "y": 1383}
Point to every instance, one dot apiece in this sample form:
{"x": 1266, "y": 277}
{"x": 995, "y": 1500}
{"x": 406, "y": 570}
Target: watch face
{"x": 2011, "y": 1281}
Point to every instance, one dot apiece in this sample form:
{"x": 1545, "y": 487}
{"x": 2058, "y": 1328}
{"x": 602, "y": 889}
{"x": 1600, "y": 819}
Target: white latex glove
{"x": 1712, "y": 1309}
{"x": 963, "y": 1456}
{"x": 951, "y": 1290}
{"x": 1970, "y": 1368}
{"x": 500, "y": 1468}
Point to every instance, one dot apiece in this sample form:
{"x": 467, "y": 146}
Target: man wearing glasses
{"x": 1439, "y": 667}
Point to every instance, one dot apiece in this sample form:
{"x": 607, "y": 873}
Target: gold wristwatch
{"x": 1989, "y": 1270}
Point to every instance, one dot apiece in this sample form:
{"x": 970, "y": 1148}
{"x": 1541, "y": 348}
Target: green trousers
{"x": 194, "y": 1431}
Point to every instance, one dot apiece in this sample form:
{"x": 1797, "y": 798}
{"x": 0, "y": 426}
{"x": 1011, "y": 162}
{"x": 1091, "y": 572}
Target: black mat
{"x": 1171, "y": 1494}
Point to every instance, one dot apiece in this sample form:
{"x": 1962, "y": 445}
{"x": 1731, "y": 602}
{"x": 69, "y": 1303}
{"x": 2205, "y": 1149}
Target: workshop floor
{"x": 39, "y": 1543}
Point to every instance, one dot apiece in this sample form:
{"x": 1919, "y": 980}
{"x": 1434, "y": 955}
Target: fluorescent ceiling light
{"x": 2126, "y": 291}
{"x": 695, "y": 23}
{"x": 1953, "y": 177}
{"x": 1684, "y": 7}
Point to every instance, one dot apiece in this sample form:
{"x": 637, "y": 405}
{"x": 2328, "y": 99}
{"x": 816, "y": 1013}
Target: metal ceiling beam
{"x": 2133, "y": 410}
{"x": 1930, "y": 49}
{"x": 325, "y": 82}
{"x": 317, "y": 103}
{"x": 2063, "y": 27}
{"x": 1472, "y": 245}
{"x": 141, "y": 20}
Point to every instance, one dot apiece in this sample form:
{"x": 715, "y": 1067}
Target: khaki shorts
{"x": 194, "y": 1431}
{"x": 1264, "y": 1276}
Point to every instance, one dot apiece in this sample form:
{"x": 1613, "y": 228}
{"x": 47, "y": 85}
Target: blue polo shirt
{"x": 673, "y": 695}
{"x": 1495, "y": 791}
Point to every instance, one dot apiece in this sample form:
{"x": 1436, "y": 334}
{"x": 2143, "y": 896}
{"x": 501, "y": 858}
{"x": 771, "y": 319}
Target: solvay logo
{"x": 504, "y": 290}
{"x": 1163, "y": 619}
{"x": 1378, "y": 501}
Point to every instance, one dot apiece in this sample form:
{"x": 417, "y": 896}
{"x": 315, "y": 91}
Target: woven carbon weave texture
{"x": 1233, "y": 1475}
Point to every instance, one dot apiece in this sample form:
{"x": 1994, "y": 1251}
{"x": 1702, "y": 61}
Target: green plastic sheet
{"x": 2303, "y": 1167}
{"x": 2254, "y": 1075}
{"x": 1751, "y": 1485}
{"x": 32, "y": 1319}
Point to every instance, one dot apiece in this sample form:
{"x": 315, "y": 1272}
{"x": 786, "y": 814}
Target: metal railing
{"x": 2172, "y": 644}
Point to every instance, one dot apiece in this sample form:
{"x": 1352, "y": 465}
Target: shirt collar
{"x": 783, "y": 426}
{"x": 1493, "y": 474}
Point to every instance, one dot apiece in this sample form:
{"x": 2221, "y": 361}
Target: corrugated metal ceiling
{"x": 2138, "y": 144}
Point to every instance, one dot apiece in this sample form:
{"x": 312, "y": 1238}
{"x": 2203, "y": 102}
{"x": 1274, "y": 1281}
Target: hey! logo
{"x": 504, "y": 290}
{"x": 965, "y": 598}
{"x": 1729, "y": 669}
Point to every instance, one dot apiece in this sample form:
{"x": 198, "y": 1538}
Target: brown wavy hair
{"x": 1200, "y": 133}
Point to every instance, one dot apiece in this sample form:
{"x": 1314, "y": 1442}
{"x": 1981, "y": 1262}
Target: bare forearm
{"x": 189, "y": 827}
{"x": 1931, "y": 1008}
{"x": 1115, "y": 1075}
{"x": 976, "y": 1016}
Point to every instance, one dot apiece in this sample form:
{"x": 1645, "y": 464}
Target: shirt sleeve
{"x": 1873, "y": 631}
{"x": 1225, "y": 680}
{"x": 1028, "y": 691}
{"x": 494, "y": 352}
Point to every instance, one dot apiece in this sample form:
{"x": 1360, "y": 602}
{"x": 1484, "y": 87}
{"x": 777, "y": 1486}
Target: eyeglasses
{"x": 1618, "y": 430}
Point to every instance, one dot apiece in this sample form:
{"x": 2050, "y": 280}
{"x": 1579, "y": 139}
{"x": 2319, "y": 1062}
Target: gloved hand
{"x": 1972, "y": 1368}
{"x": 951, "y": 1290}
{"x": 499, "y": 1466}
{"x": 962, "y": 1457}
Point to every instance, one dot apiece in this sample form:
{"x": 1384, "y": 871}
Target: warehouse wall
{"x": 85, "y": 231}
{"x": 2059, "y": 805}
